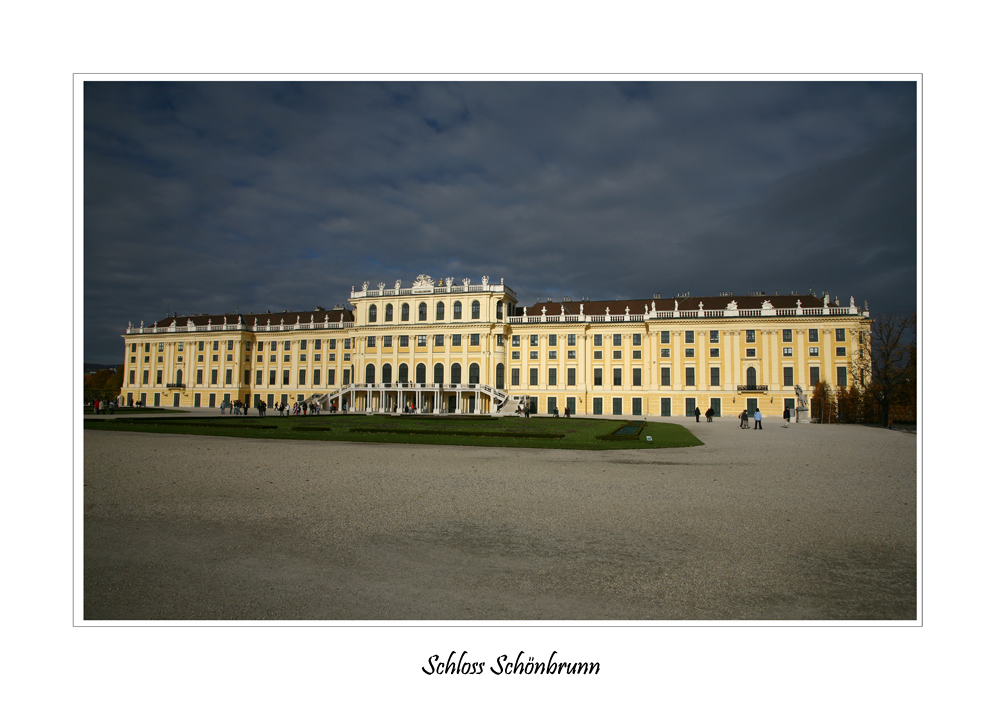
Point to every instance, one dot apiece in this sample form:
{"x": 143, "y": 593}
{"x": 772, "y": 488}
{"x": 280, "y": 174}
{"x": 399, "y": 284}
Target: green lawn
{"x": 536, "y": 432}
{"x": 89, "y": 410}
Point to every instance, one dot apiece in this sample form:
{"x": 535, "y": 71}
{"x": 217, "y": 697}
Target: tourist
{"x": 709, "y": 413}
{"x": 744, "y": 420}
{"x": 697, "y": 415}
{"x": 787, "y": 416}
{"x": 756, "y": 420}
{"x": 567, "y": 412}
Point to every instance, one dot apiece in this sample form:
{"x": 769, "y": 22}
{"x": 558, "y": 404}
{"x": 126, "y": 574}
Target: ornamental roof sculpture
{"x": 767, "y": 304}
{"x": 732, "y": 306}
{"x": 423, "y": 281}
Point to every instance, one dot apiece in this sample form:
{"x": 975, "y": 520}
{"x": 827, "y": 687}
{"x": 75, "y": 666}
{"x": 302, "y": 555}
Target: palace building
{"x": 455, "y": 347}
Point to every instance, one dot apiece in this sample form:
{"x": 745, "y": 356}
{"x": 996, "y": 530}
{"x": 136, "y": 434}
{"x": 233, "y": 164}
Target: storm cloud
{"x": 213, "y": 196}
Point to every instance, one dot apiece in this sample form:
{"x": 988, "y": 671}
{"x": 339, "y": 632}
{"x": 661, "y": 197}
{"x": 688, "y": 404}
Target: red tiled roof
{"x": 261, "y": 319}
{"x": 638, "y": 306}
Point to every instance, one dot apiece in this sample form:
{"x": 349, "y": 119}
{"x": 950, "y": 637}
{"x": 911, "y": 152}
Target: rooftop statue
{"x": 732, "y": 306}
{"x": 767, "y": 305}
{"x": 423, "y": 281}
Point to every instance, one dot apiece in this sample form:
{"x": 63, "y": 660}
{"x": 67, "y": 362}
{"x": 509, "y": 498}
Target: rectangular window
{"x": 598, "y": 377}
{"x": 713, "y": 336}
{"x": 689, "y": 377}
{"x": 331, "y": 377}
{"x": 229, "y": 344}
{"x": 664, "y": 406}
{"x": 533, "y": 355}
{"x": 347, "y": 344}
{"x": 636, "y": 406}
{"x": 598, "y": 339}
{"x": 199, "y": 377}
{"x": 456, "y": 339}
{"x": 788, "y": 377}
{"x": 571, "y": 339}
{"x": 689, "y": 337}
{"x": 751, "y": 352}
{"x": 215, "y": 377}
{"x": 229, "y": 376}
{"x": 270, "y": 377}
{"x": 841, "y": 376}
{"x": 813, "y": 335}
{"x": 690, "y": 404}
{"x": 598, "y": 355}
{"x": 551, "y": 404}
{"x": 616, "y": 339}
{"x": 786, "y": 351}
{"x": 664, "y": 352}
{"x": 616, "y": 406}
{"x": 552, "y": 377}
{"x": 302, "y": 377}
{"x": 813, "y": 351}
{"x": 598, "y": 406}
{"x": 159, "y": 377}
{"x": 133, "y": 348}
{"x": 616, "y": 377}
{"x": 689, "y": 352}
{"x": 159, "y": 347}
{"x": 215, "y": 346}
{"x": 751, "y": 336}
{"x": 317, "y": 344}
{"x": 347, "y": 377}
{"x": 553, "y": 355}
{"x": 841, "y": 351}
{"x": 421, "y": 341}
{"x": 371, "y": 342}
{"x": 571, "y": 376}
{"x": 533, "y": 377}
{"x": 499, "y": 340}
{"x": 571, "y": 355}
{"x": 841, "y": 335}
{"x": 786, "y": 335}
{"x": 387, "y": 341}
{"x": 553, "y": 340}
{"x": 813, "y": 376}
{"x": 404, "y": 341}
{"x": 713, "y": 352}
{"x": 665, "y": 376}
{"x": 302, "y": 358}
{"x": 260, "y": 377}
{"x": 347, "y": 357}
{"x": 664, "y": 337}
{"x": 515, "y": 341}
{"x": 333, "y": 344}
{"x": 284, "y": 377}
{"x": 474, "y": 339}
{"x": 515, "y": 355}
{"x": 533, "y": 339}
{"x": 316, "y": 377}
{"x": 439, "y": 340}
{"x": 637, "y": 339}
{"x": 131, "y": 377}
{"x": 637, "y": 377}
{"x": 274, "y": 346}
{"x": 515, "y": 376}
{"x": 713, "y": 377}
{"x": 637, "y": 355}
{"x": 616, "y": 355}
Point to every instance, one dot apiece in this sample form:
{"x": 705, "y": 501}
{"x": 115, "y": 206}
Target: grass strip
{"x": 481, "y": 434}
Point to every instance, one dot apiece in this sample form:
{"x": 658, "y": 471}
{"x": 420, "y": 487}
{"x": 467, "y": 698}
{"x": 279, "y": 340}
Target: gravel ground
{"x": 805, "y": 523}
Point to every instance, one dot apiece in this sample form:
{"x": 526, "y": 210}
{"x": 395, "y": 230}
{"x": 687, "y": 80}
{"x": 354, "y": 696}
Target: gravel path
{"x": 810, "y": 522}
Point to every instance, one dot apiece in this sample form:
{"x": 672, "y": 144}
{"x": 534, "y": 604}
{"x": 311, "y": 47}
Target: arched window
{"x": 440, "y": 311}
{"x": 751, "y": 377}
{"x": 439, "y": 374}
{"x": 457, "y": 311}
{"x": 386, "y": 374}
{"x": 422, "y": 312}
{"x": 421, "y": 374}
{"x": 179, "y": 377}
{"x": 372, "y": 314}
{"x": 404, "y": 312}
{"x": 499, "y": 310}
{"x": 369, "y": 374}
{"x": 474, "y": 374}
{"x": 456, "y": 373}
{"x": 404, "y": 373}
{"x": 475, "y": 309}
{"x": 388, "y": 312}
{"x": 499, "y": 377}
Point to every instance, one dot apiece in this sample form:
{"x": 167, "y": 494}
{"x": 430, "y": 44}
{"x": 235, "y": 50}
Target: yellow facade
{"x": 444, "y": 346}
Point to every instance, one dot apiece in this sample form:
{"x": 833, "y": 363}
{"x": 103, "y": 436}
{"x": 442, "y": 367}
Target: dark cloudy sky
{"x": 205, "y": 196}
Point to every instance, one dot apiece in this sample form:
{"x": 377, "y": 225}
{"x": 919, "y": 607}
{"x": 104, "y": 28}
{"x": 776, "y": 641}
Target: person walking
{"x": 697, "y": 415}
{"x": 787, "y": 416}
{"x": 756, "y": 420}
{"x": 709, "y": 413}
{"x": 744, "y": 421}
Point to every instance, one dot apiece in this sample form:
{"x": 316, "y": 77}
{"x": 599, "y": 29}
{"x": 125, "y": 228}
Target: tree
{"x": 822, "y": 402}
{"x": 886, "y": 363}
{"x": 103, "y": 384}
